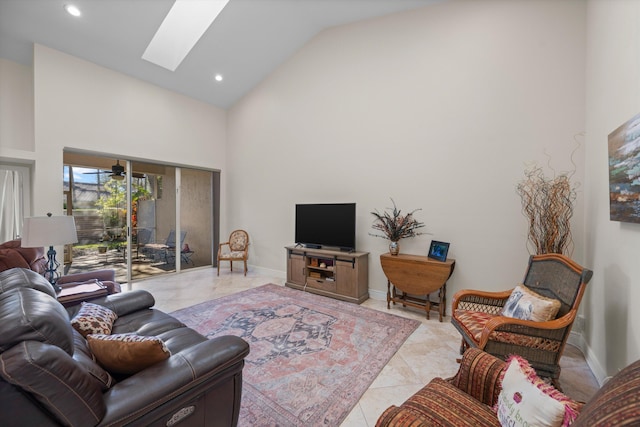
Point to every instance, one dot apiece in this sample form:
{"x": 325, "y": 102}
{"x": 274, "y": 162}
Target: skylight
{"x": 181, "y": 29}
{"x": 72, "y": 10}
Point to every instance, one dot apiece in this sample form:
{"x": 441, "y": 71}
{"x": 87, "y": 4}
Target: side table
{"x": 411, "y": 278}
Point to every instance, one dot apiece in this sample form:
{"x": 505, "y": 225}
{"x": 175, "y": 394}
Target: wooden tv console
{"x": 335, "y": 274}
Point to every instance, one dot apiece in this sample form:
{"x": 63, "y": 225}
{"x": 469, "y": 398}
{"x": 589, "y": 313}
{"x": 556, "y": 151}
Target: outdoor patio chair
{"x": 483, "y": 318}
{"x": 143, "y": 238}
{"x": 236, "y": 249}
{"x": 166, "y": 250}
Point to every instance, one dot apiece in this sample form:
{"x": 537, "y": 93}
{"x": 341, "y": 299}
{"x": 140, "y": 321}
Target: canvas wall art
{"x": 624, "y": 172}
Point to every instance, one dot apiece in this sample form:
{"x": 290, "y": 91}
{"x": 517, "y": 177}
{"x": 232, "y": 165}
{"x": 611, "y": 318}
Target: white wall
{"x": 84, "y": 106}
{"x": 16, "y": 106}
{"x": 440, "y": 108}
{"x": 612, "y": 328}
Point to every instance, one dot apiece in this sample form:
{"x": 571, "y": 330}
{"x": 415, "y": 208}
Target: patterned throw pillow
{"x": 526, "y": 400}
{"x": 127, "y": 353}
{"x": 93, "y": 319}
{"x": 525, "y": 304}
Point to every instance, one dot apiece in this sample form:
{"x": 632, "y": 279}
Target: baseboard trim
{"x": 282, "y": 275}
{"x": 377, "y": 295}
{"x": 577, "y": 339}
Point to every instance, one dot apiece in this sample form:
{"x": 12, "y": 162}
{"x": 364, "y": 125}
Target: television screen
{"x": 326, "y": 224}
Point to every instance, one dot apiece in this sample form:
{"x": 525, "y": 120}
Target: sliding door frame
{"x": 214, "y": 207}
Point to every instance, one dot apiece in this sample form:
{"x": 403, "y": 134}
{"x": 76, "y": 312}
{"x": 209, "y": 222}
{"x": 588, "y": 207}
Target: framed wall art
{"x": 624, "y": 172}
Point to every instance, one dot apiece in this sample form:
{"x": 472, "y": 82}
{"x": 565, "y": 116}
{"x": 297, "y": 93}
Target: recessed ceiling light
{"x": 218, "y": 77}
{"x": 72, "y": 10}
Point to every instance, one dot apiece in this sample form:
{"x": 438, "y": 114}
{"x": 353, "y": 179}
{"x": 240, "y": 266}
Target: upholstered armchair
{"x": 468, "y": 399}
{"x": 236, "y": 249}
{"x": 13, "y": 255}
{"x": 486, "y": 321}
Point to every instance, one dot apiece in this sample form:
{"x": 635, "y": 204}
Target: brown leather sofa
{"x": 48, "y": 375}
{"x": 13, "y": 255}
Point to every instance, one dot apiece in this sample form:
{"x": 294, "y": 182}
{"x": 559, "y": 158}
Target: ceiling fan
{"x": 117, "y": 172}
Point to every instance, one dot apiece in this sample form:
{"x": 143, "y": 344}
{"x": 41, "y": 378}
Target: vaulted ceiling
{"x": 248, "y": 40}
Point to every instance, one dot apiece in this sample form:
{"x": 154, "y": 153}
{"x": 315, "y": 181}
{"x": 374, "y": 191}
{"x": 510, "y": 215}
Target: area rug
{"x": 311, "y": 357}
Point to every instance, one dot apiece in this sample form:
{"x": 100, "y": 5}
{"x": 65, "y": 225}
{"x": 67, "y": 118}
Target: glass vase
{"x": 394, "y": 248}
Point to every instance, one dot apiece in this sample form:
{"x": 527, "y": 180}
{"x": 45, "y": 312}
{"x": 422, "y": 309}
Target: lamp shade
{"x": 48, "y": 231}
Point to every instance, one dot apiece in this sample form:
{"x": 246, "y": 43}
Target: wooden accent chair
{"x": 237, "y": 249}
{"x": 478, "y": 315}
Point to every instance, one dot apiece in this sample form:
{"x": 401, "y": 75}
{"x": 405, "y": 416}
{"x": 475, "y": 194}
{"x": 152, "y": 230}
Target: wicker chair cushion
{"x": 473, "y": 322}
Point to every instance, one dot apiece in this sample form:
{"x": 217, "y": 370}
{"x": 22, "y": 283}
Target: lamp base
{"x": 51, "y": 271}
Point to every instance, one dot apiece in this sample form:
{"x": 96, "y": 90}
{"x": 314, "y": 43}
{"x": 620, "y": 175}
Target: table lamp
{"x": 40, "y": 231}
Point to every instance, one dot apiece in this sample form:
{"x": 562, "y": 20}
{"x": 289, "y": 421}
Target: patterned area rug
{"x": 311, "y": 357}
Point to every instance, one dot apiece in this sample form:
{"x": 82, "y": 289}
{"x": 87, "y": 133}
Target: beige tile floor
{"x": 431, "y": 351}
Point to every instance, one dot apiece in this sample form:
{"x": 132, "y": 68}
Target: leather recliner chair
{"x": 48, "y": 375}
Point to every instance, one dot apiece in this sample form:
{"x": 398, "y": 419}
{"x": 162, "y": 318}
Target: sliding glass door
{"x": 148, "y": 220}
{"x": 196, "y": 193}
{"x": 153, "y": 219}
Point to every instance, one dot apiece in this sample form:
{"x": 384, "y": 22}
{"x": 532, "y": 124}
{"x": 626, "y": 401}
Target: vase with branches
{"x": 391, "y": 224}
{"x": 547, "y": 203}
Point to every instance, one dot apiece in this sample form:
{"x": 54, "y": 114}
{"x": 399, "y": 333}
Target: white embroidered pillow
{"x": 93, "y": 319}
{"x": 526, "y": 400}
{"x": 525, "y": 304}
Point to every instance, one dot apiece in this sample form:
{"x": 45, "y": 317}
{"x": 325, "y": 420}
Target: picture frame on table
{"x": 438, "y": 250}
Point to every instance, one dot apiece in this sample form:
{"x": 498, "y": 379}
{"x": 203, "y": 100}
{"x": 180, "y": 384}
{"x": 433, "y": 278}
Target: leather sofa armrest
{"x": 480, "y": 376}
{"x": 121, "y": 303}
{"x": 192, "y": 368}
{"x": 104, "y": 275}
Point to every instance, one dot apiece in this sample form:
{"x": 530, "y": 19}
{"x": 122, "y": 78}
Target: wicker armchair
{"x": 477, "y": 315}
{"x": 237, "y": 249}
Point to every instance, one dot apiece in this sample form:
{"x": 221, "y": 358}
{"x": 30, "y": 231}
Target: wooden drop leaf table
{"x": 412, "y": 278}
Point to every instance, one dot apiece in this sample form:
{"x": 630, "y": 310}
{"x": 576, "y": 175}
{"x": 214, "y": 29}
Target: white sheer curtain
{"x": 11, "y": 204}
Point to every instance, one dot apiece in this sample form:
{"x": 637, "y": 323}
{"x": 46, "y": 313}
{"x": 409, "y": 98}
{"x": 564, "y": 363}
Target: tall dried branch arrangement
{"x": 548, "y": 206}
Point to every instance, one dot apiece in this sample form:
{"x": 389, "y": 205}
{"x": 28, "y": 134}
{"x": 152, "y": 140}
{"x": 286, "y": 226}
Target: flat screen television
{"x": 326, "y": 224}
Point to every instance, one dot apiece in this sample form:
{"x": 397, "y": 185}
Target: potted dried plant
{"x": 395, "y": 226}
{"x": 547, "y": 203}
